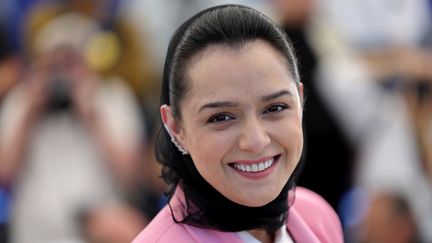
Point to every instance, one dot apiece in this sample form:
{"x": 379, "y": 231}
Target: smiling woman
{"x": 240, "y": 111}
{"x": 231, "y": 106}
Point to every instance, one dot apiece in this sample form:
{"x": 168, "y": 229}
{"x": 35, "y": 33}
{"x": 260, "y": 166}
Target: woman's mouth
{"x": 254, "y": 166}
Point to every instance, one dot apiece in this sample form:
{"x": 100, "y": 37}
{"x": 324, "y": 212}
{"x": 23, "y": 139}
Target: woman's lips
{"x": 255, "y": 168}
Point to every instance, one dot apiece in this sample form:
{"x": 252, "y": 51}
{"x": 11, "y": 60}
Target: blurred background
{"x": 79, "y": 94}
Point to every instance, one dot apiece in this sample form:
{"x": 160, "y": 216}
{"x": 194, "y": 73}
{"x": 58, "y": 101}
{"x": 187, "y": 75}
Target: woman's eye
{"x": 275, "y": 108}
{"x": 220, "y": 118}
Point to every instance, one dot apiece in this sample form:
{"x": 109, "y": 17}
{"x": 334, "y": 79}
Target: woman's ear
{"x": 172, "y": 127}
{"x": 301, "y": 93}
{"x": 301, "y": 98}
{"x": 168, "y": 118}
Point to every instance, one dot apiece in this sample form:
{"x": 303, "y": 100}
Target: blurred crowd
{"x": 79, "y": 83}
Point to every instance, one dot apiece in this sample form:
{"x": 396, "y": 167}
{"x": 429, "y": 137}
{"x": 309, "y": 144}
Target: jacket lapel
{"x": 298, "y": 228}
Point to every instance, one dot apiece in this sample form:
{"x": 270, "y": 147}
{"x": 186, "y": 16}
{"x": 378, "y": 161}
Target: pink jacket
{"x": 310, "y": 219}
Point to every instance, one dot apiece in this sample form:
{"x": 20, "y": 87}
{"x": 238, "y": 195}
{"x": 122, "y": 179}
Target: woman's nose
{"x": 254, "y": 138}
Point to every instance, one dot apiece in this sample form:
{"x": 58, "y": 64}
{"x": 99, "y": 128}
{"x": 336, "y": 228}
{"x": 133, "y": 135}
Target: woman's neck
{"x": 262, "y": 235}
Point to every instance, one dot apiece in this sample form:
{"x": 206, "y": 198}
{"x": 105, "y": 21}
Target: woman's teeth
{"x": 254, "y": 167}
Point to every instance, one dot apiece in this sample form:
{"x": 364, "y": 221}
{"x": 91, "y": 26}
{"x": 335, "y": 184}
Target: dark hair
{"x": 231, "y": 26}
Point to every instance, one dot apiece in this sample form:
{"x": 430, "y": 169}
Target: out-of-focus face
{"x": 294, "y": 12}
{"x": 241, "y": 121}
{"x": 10, "y": 69}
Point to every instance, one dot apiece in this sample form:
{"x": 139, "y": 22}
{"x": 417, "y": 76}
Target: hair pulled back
{"x": 232, "y": 26}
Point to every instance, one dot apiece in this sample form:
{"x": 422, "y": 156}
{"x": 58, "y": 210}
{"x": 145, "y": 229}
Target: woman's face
{"x": 241, "y": 121}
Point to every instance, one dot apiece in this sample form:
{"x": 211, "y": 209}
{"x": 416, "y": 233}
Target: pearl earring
{"x": 175, "y": 142}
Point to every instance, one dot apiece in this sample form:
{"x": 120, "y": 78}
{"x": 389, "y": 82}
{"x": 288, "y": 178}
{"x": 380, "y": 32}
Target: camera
{"x": 59, "y": 93}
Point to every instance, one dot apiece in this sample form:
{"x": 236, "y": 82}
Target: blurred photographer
{"x": 70, "y": 142}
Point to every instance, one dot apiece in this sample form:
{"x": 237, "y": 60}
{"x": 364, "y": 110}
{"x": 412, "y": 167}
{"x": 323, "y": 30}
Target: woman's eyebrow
{"x": 276, "y": 95}
{"x": 217, "y": 105}
{"x": 220, "y": 104}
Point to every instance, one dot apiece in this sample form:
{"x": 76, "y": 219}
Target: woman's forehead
{"x": 224, "y": 65}
{"x": 241, "y": 75}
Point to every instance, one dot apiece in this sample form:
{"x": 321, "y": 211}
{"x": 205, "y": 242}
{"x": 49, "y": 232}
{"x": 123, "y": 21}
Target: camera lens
{"x": 60, "y": 99}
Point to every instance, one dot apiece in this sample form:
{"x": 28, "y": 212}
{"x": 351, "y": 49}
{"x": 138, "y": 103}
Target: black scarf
{"x": 207, "y": 208}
